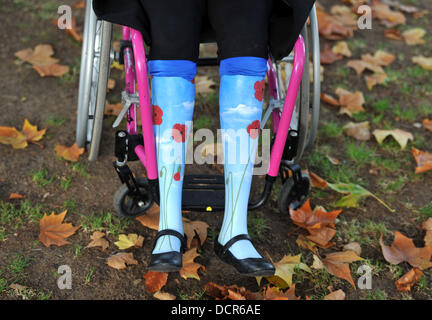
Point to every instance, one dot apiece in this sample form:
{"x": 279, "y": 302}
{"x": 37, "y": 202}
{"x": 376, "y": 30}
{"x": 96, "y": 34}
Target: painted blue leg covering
{"x": 241, "y": 103}
{"x": 173, "y": 96}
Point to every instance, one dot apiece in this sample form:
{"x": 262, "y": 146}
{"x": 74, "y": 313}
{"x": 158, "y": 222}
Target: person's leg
{"x": 174, "y": 49}
{"x": 241, "y": 29}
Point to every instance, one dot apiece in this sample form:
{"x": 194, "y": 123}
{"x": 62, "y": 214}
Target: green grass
{"x": 88, "y": 277}
{"x": 257, "y": 226}
{"x": 70, "y": 205}
{"x": 203, "y": 122}
{"x": 41, "y": 177}
{"x": 53, "y": 121}
{"x": 331, "y": 129}
{"x": 17, "y": 266}
{"x": 426, "y": 211}
{"x": 406, "y": 114}
{"x": 199, "y": 295}
{"x": 65, "y": 182}
{"x": 377, "y": 294}
{"x": 382, "y": 105}
{"x": 364, "y": 232}
{"x": 359, "y": 153}
{"x": 104, "y": 221}
{"x": 332, "y": 173}
{"x": 13, "y": 216}
{"x": 80, "y": 169}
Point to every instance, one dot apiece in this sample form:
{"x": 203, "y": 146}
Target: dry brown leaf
{"x": 360, "y": 66}
{"x": 329, "y": 99}
{"x": 230, "y": 292}
{"x": 53, "y": 231}
{"x": 402, "y": 137}
{"x": 155, "y": 281}
{"x": 337, "y": 264}
{"x": 274, "y": 293}
{"x": 164, "y": 296}
{"x": 331, "y": 29}
{"x": 380, "y": 58}
{"x": 414, "y": 36}
{"x": 403, "y": 249}
{"x": 69, "y": 153}
{"x": 424, "y": 62}
{"x": 191, "y": 228}
{"x": 373, "y": 80}
{"x": 40, "y": 56}
{"x": 190, "y": 268}
{"x": 359, "y": 131}
{"x": 20, "y": 139}
{"x": 317, "y": 181}
{"x": 306, "y": 243}
{"x": 336, "y": 295}
{"x": 427, "y": 225}
{"x": 427, "y": 124}
{"x": 52, "y": 70}
{"x": 393, "y": 34}
{"x": 423, "y": 159}
{"x": 342, "y": 48}
{"x": 98, "y": 241}
{"x": 353, "y": 246}
{"x": 351, "y": 103}
{"x": 387, "y": 16}
{"x": 408, "y": 280}
{"x": 120, "y": 260}
{"x": 328, "y": 56}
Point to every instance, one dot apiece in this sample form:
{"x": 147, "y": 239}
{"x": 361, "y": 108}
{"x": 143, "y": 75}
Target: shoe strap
{"x": 233, "y": 240}
{"x": 174, "y": 233}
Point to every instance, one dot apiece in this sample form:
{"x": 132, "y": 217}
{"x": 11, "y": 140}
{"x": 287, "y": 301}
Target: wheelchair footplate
{"x": 203, "y": 192}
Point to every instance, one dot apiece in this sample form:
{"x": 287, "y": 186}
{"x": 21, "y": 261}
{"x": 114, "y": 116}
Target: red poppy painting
{"x": 157, "y": 115}
{"x": 253, "y": 129}
{"x": 259, "y": 90}
{"x": 179, "y": 132}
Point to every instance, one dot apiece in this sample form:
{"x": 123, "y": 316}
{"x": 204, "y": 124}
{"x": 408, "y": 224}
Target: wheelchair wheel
{"x": 105, "y": 60}
{"x": 130, "y": 206}
{"x": 293, "y": 196}
{"x": 89, "y": 72}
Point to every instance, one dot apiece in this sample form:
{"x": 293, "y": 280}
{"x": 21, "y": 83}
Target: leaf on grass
{"x": 353, "y": 246}
{"x": 403, "y": 249}
{"x": 351, "y": 103}
{"x": 164, "y": 296}
{"x": 359, "y": 131}
{"x": 190, "y": 268}
{"x": 423, "y": 159}
{"x": 380, "y": 58}
{"x": 375, "y": 79}
{"x": 427, "y": 225}
{"x": 424, "y": 62}
{"x": 128, "y": 241}
{"x": 53, "y": 231}
{"x": 98, "y": 241}
{"x": 414, "y": 36}
{"x": 427, "y": 124}
{"x": 15, "y": 196}
{"x": 336, "y": 295}
{"x": 342, "y": 48}
{"x": 330, "y": 100}
{"x": 402, "y": 137}
{"x": 155, "y": 281}
{"x": 355, "y": 194}
{"x": 393, "y": 34}
{"x": 337, "y": 264}
{"x": 387, "y": 17}
{"x": 305, "y": 243}
{"x": 191, "y": 228}
{"x": 327, "y": 56}
{"x": 317, "y": 181}
{"x": 20, "y": 139}
{"x": 408, "y": 280}
{"x": 331, "y": 29}
{"x": 120, "y": 260}
{"x": 69, "y": 153}
{"x": 360, "y": 66}
{"x": 285, "y": 270}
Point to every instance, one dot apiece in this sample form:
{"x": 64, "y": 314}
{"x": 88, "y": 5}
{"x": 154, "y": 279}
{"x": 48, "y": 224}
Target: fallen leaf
{"x": 342, "y": 48}
{"x": 285, "y": 270}
{"x": 427, "y": 124}
{"x": 393, "y": 34}
{"x": 335, "y": 295}
{"x": 375, "y": 79}
{"x": 402, "y": 137}
{"x": 317, "y": 181}
{"x": 164, "y": 296}
{"x": 190, "y": 268}
{"x": 380, "y": 58}
{"x": 69, "y": 153}
{"x": 414, "y": 36}
{"x": 329, "y": 99}
{"x": 403, "y": 249}
{"x": 424, "y": 62}
{"x": 40, "y": 56}
{"x": 359, "y": 131}
{"x": 305, "y": 243}
{"x": 423, "y": 159}
{"x": 20, "y": 139}
{"x": 351, "y": 103}
{"x": 155, "y": 281}
{"x": 52, "y": 70}
{"x": 232, "y": 292}
{"x": 353, "y": 246}
{"x": 195, "y": 227}
{"x": 327, "y": 56}
{"x": 274, "y": 293}
{"x": 330, "y": 28}
{"x": 360, "y": 66}
{"x": 53, "y": 231}
{"x": 98, "y": 241}
{"x": 15, "y": 196}
{"x": 408, "y": 280}
{"x": 337, "y": 264}
{"x": 120, "y": 260}
{"x": 388, "y": 17}
{"x": 128, "y": 241}
{"x": 427, "y": 225}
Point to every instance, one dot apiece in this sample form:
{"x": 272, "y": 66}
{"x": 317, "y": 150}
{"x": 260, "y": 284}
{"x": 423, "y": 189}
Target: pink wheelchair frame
{"x": 136, "y": 76}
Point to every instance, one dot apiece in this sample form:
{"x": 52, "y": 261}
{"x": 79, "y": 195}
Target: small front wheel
{"x": 128, "y": 205}
{"x": 293, "y": 195}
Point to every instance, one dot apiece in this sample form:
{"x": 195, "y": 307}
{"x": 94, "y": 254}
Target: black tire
{"x": 126, "y": 206}
{"x": 289, "y": 197}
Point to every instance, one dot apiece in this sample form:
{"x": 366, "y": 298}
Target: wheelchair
{"x": 293, "y": 107}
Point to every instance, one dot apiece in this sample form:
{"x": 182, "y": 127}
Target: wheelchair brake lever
{"x": 127, "y": 101}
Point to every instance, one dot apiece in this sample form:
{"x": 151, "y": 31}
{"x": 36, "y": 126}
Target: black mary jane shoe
{"x": 168, "y": 261}
{"x": 254, "y": 267}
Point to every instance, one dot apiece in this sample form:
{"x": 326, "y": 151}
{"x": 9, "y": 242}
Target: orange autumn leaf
{"x": 403, "y": 249}
{"x": 351, "y": 103}
{"x": 328, "y": 56}
{"x": 40, "y": 56}
{"x": 53, "y": 231}
{"x": 190, "y": 268}
{"x": 155, "y": 281}
{"x": 427, "y": 226}
{"x": 393, "y": 34}
{"x": 69, "y": 153}
{"x": 427, "y": 124}
{"x": 335, "y": 295}
{"x": 274, "y": 293}
{"x": 309, "y": 219}
{"x": 423, "y": 159}
{"x": 337, "y": 264}
{"x": 329, "y": 99}
{"x": 317, "y": 181}
{"x": 120, "y": 260}
{"x": 20, "y": 139}
{"x": 388, "y": 17}
{"x": 330, "y": 28}
{"x": 375, "y": 79}
{"x": 408, "y": 280}
{"x": 414, "y": 36}
{"x": 232, "y": 292}
{"x": 98, "y": 241}
{"x": 14, "y": 196}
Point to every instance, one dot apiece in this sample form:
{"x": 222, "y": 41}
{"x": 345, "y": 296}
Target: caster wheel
{"x": 131, "y": 206}
{"x": 294, "y": 197}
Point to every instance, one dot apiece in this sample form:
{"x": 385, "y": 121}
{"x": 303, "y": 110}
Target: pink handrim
{"x": 289, "y": 105}
{"x": 131, "y": 124}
